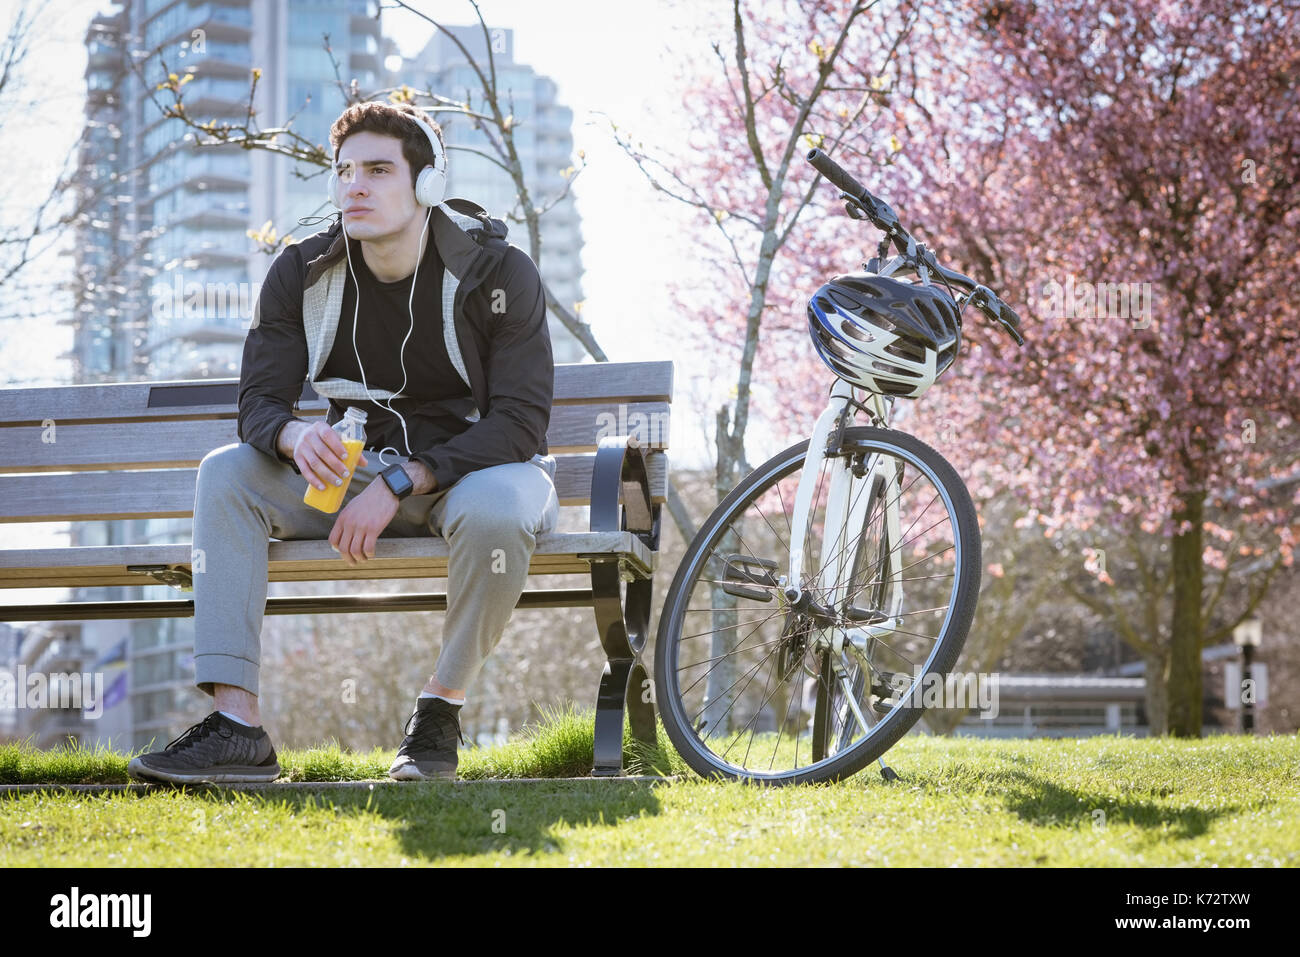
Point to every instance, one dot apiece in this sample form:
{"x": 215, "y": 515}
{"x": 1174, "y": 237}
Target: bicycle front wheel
{"x": 754, "y": 687}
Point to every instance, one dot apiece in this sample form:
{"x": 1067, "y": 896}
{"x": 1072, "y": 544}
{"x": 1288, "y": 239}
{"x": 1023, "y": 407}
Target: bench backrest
{"x": 131, "y": 450}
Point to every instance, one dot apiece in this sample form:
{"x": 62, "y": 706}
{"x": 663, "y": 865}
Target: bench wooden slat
{"x": 87, "y": 496}
{"x": 105, "y": 565}
{"x": 152, "y": 444}
{"x": 575, "y": 383}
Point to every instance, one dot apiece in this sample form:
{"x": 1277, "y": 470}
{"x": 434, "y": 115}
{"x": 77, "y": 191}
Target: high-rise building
{"x": 168, "y": 212}
{"x": 105, "y": 269}
{"x": 543, "y": 137}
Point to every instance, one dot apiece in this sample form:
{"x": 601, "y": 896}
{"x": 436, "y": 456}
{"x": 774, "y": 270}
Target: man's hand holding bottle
{"x": 318, "y": 451}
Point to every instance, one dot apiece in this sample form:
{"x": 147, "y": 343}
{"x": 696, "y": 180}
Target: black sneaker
{"x": 216, "y": 749}
{"x": 429, "y": 751}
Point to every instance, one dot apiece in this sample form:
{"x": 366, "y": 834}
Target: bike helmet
{"x": 885, "y": 335}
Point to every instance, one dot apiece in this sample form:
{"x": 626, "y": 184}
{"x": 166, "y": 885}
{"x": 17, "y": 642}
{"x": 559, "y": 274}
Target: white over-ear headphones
{"x": 430, "y": 185}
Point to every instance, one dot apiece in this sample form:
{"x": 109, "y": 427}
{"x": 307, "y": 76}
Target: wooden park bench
{"x": 131, "y": 451}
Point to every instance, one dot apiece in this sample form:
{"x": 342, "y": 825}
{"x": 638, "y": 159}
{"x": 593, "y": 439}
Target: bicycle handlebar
{"x": 880, "y": 213}
{"x": 883, "y": 217}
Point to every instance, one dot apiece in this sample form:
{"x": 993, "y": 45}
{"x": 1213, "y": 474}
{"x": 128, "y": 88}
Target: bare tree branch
{"x": 1114, "y": 613}
{"x": 1257, "y": 596}
{"x": 695, "y": 200}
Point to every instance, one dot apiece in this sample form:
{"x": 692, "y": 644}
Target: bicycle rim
{"x": 751, "y": 687}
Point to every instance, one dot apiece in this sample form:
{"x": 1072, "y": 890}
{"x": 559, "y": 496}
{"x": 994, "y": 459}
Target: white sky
{"x": 602, "y": 60}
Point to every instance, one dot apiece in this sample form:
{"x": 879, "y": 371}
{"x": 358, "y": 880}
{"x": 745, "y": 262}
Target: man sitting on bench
{"x": 428, "y": 320}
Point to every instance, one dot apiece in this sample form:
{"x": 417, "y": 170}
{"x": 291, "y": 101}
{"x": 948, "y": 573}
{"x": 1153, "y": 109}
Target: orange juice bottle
{"x": 352, "y": 430}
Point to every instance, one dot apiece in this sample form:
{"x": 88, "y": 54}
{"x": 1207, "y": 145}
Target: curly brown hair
{"x": 395, "y": 120}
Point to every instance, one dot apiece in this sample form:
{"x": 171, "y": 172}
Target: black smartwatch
{"x": 398, "y": 482}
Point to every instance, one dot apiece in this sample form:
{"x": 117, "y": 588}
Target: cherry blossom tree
{"x": 781, "y": 78}
{"x": 1130, "y": 169}
{"x": 1124, "y": 173}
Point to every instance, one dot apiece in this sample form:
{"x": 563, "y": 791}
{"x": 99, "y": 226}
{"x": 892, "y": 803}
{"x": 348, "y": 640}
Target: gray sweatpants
{"x": 244, "y": 497}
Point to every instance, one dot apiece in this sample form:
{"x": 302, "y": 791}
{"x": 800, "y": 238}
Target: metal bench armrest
{"x": 621, "y": 468}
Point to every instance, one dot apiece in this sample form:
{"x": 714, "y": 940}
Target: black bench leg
{"x": 625, "y": 686}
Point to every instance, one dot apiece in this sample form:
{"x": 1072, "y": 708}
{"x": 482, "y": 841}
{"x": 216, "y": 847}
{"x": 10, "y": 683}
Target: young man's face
{"x": 379, "y": 200}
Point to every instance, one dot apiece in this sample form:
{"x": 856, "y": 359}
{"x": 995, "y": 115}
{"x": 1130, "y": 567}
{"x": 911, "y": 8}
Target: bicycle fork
{"x": 848, "y": 499}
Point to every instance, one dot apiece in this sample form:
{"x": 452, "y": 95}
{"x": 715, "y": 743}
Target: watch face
{"x": 398, "y": 481}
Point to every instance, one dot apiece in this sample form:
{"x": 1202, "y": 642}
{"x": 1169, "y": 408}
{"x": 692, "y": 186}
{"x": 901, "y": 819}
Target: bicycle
{"x": 830, "y": 598}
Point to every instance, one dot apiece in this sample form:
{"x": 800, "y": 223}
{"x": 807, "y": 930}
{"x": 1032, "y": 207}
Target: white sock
{"x": 430, "y": 694}
{"x": 237, "y": 719}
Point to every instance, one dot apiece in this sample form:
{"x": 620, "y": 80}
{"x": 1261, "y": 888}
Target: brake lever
{"x": 987, "y": 302}
{"x": 880, "y": 213}
{"x": 982, "y": 298}
{"x": 856, "y": 208}
{"x": 1012, "y": 324}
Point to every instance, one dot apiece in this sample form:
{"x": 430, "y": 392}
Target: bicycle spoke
{"x": 761, "y": 644}
{"x": 732, "y": 685}
{"x": 796, "y": 694}
{"x": 706, "y": 674}
{"x": 921, "y": 611}
{"x": 739, "y": 624}
{"x": 753, "y": 718}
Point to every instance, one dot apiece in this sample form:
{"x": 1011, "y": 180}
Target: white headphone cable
{"x": 356, "y": 287}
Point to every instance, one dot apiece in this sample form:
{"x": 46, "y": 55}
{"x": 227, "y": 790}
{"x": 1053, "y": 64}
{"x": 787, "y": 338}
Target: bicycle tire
{"x": 728, "y": 519}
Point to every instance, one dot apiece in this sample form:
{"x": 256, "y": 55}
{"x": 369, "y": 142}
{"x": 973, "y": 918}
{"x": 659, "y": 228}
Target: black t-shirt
{"x": 437, "y": 401}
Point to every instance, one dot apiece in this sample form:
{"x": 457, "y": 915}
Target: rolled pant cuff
{"x": 219, "y": 669}
{"x": 456, "y": 675}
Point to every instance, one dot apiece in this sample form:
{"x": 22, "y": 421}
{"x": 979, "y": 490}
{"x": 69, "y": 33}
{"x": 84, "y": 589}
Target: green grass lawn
{"x": 1106, "y": 801}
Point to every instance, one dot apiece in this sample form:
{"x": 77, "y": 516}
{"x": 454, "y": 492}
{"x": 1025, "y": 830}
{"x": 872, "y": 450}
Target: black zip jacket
{"x": 501, "y": 332}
